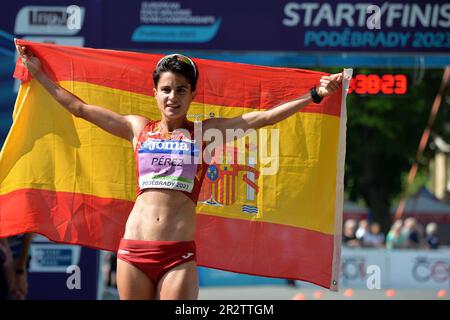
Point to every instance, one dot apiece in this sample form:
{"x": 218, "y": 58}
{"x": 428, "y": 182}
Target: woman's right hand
{"x": 30, "y": 61}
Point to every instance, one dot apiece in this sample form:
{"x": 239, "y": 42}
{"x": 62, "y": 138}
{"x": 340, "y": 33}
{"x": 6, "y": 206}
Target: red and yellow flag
{"x": 72, "y": 182}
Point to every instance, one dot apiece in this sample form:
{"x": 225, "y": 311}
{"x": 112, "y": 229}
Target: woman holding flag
{"x": 157, "y": 255}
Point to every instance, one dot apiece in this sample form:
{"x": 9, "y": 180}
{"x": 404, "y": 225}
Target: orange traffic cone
{"x": 318, "y": 294}
{"x": 299, "y": 296}
{"x": 441, "y": 293}
{"x": 348, "y": 293}
{"x": 390, "y": 293}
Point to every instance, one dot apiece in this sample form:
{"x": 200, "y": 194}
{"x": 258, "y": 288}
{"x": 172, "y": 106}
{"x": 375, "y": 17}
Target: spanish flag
{"x": 277, "y": 213}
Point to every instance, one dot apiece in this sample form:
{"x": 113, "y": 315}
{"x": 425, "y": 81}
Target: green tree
{"x": 383, "y": 133}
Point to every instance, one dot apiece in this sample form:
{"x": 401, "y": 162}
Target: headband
{"x": 181, "y": 58}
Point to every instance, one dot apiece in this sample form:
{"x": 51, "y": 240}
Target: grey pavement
{"x": 277, "y": 292}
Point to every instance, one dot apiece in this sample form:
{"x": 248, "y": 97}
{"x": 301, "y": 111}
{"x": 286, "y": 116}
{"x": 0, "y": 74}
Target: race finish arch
{"x": 281, "y": 33}
{"x": 310, "y": 34}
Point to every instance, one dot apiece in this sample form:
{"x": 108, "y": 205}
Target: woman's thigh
{"x": 132, "y": 283}
{"x": 179, "y": 283}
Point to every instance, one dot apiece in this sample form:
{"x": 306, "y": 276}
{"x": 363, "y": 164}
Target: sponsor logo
{"x": 49, "y": 20}
{"x": 353, "y": 268}
{"x": 187, "y": 255}
{"x": 122, "y": 251}
{"x": 166, "y": 145}
{"x": 431, "y": 270}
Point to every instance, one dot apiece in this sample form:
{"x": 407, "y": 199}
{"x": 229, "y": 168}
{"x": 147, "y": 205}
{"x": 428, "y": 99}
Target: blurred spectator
{"x": 349, "y": 235}
{"x": 432, "y": 241}
{"x": 5, "y": 269}
{"x": 412, "y": 233}
{"x": 109, "y": 269}
{"x": 403, "y": 234}
{"x": 373, "y": 238}
{"x": 13, "y": 270}
{"x": 395, "y": 238}
{"x": 363, "y": 228}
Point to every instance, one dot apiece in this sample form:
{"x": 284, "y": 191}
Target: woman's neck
{"x": 172, "y": 125}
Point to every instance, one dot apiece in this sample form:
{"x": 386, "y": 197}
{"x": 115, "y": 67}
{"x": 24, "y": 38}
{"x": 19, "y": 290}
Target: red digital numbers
{"x": 388, "y": 84}
{"x": 401, "y": 84}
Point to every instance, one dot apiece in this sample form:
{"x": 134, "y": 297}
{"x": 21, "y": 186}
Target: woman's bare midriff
{"x": 161, "y": 215}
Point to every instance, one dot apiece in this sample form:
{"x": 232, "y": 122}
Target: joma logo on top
{"x": 167, "y": 145}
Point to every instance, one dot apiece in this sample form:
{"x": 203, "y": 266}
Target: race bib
{"x": 168, "y": 164}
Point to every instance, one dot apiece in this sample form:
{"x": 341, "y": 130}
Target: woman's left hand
{"x": 329, "y": 84}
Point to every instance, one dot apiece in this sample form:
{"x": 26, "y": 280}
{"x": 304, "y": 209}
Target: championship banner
{"x": 278, "y": 213}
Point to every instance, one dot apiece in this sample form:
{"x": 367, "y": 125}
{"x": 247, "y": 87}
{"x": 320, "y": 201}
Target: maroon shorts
{"x": 155, "y": 258}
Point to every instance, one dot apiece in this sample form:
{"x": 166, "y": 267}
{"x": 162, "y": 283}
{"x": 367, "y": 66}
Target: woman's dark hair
{"x": 177, "y": 63}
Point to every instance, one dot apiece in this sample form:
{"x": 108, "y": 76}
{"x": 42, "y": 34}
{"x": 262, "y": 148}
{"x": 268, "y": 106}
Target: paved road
{"x": 288, "y": 293}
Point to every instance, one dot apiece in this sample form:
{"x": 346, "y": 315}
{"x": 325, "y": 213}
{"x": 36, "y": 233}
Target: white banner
{"x": 382, "y": 269}
{"x": 420, "y": 269}
{"x": 360, "y": 266}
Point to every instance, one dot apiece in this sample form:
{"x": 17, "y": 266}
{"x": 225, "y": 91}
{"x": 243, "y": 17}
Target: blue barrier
{"x": 212, "y": 277}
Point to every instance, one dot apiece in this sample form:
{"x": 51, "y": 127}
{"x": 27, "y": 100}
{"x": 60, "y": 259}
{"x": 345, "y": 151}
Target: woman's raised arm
{"x": 258, "y": 119}
{"x": 124, "y": 126}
